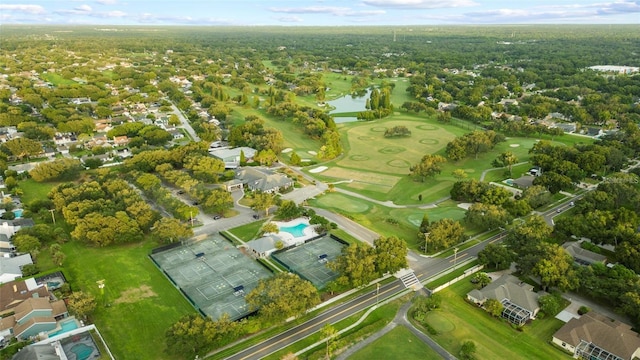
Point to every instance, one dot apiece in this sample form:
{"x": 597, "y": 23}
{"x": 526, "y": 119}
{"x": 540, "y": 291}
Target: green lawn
{"x": 57, "y": 79}
{"x": 377, "y": 217}
{"x": 400, "y": 344}
{"x": 139, "y": 303}
{"x": 494, "y": 338}
{"x": 34, "y": 190}
{"x": 248, "y": 231}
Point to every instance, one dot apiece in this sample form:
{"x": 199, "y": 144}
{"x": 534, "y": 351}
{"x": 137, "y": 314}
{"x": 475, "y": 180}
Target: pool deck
{"x": 288, "y": 238}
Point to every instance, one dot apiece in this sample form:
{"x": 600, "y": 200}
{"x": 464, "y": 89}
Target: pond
{"x": 348, "y": 103}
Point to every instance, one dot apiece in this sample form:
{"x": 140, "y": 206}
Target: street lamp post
{"x": 377, "y": 293}
{"x": 426, "y": 242}
{"x": 455, "y": 257}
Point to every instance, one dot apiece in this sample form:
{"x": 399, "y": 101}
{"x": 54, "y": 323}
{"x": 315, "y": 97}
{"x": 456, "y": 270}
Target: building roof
{"x": 524, "y": 181}
{"x": 583, "y": 255}
{"x": 264, "y": 244}
{"x": 511, "y": 288}
{"x": 610, "y": 335}
{"x": 29, "y": 305}
{"x": 39, "y": 352}
{"x": 262, "y": 179}
{"x": 15, "y": 292}
{"x": 14, "y": 265}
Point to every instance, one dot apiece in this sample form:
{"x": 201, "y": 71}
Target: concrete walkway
{"x": 400, "y": 319}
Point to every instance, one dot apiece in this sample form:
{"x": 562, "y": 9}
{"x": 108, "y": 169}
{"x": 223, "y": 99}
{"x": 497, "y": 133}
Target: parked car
{"x": 256, "y": 216}
{"x": 216, "y": 217}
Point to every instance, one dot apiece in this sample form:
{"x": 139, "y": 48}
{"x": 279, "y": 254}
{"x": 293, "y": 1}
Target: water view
{"x": 348, "y": 104}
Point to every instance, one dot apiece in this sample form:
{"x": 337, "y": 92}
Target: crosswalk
{"x": 410, "y": 280}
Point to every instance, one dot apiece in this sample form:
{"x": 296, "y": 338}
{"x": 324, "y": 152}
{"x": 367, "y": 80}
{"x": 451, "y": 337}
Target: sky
{"x": 318, "y": 12}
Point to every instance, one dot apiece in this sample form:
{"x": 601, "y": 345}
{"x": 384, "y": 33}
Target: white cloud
{"x": 116, "y": 13}
{"x": 83, "y": 8}
{"x": 420, "y": 4}
{"x": 330, "y": 10}
{"x": 289, "y": 19}
{"x": 23, "y": 8}
{"x": 107, "y": 2}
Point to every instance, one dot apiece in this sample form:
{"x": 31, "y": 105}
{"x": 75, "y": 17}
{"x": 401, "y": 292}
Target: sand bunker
{"x": 465, "y": 206}
{"x": 318, "y": 169}
{"x": 287, "y": 150}
{"x": 514, "y": 145}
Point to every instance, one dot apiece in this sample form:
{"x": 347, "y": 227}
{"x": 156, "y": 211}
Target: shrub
{"x": 583, "y": 310}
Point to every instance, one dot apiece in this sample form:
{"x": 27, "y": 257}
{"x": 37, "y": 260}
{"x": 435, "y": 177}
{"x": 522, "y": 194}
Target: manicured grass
{"x": 494, "y": 338}
{"x": 400, "y": 344}
{"x": 248, "y": 231}
{"x": 377, "y": 217}
{"x": 57, "y": 79}
{"x": 139, "y": 303}
{"x": 34, "y": 190}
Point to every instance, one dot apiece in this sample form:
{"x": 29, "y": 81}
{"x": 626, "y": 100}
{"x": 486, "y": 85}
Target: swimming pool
{"x": 66, "y": 326}
{"x": 296, "y": 231}
{"x": 18, "y": 213}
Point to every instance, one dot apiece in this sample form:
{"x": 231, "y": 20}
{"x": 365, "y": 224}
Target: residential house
{"x": 525, "y": 181}
{"x": 263, "y": 179}
{"x": 10, "y": 227}
{"x": 11, "y": 267}
{"x": 36, "y": 315}
{"x": 518, "y": 298}
{"x": 121, "y": 140}
{"x": 15, "y": 292}
{"x": 583, "y": 256}
{"x": 594, "y": 132}
{"x": 231, "y": 156}
{"x": 594, "y": 336}
{"x": 177, "y": 134}
{"x": 567, "y": 127}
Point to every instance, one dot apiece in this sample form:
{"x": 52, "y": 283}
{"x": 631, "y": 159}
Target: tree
{"x": 493, "y": 307}
{"x": 355, "y": 265}
{"x": 487, "y": 216}
{"x": 554, "y": 182}
{"x": 282, "y": 296}
{"x": 59, "y": 169}
{"x": 269, "y": 227}
{"x": 428, "y": 166}
{"x": 263, "y": 201}
{"x": 82, "y": 304}
{"x": 555, "y": 268}
{"x": 424, "y": 225}
{"x": 445, "y": 233}
{"x": 329, "y": 333}
{"x": 459, "y": 174}
{"x": 288, "y": 210}
{"x": 467, "y": 350}
{"x": 391, "y": 254}
{"x": 551, "y": 304}
{"x": 171, "y": 230}
{"x": 506, "y": 159}
{"x": 295, "y": 159}
{"x": 481, "y": 279}
{"x": 194, "y": 335}
{"x": 496, "y": 255}
{"x": 26, "y": 243}
{"x": 22, "y": 147}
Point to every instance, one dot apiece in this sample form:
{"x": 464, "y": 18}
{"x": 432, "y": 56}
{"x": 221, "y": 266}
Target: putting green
{"x": 429, "y": 141}
{"x": 390, "y": 150}
{"x": 399, "y": 163}
{"x": 344, "y": 203}
{"x": 439, "y": 323}
{"x": 427, "y": 127}
{"x": 379, "y": 129}
{"x": 359, "y": 157}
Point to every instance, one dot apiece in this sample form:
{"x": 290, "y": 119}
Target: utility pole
{"x": 426, "y": 242}
{"x": 377, "y": 292}
{"x": 53, "y": 216}
{"x": 455, "y": 257}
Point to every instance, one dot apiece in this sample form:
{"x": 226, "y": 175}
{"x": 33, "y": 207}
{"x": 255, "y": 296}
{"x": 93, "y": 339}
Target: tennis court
{"x": 213, "y": 275}
{"x": 310, "y": 260}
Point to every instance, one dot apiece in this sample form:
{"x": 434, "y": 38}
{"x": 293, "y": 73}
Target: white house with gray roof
{"x": 518, "y": 298}
{"x": 231, "y": 156}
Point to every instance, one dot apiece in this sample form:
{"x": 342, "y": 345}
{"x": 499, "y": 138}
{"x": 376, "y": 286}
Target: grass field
{"x": 376, "y": 217}
{"x": 459, "y": 321}
{"x": 139, "y": 303}
{"x": 400, "y": 344}
{"x": 57, "y": 79}
{"x": 34, "y": 190}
